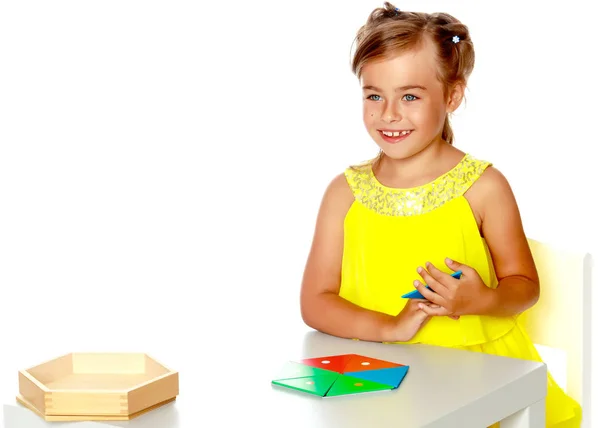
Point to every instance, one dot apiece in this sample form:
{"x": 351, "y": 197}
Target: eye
{"x": 410, "y": 97}
{"x": 370, "y": 97}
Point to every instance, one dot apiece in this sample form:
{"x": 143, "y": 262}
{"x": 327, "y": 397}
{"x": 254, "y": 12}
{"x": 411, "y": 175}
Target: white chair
{"x": 562, "y": 318}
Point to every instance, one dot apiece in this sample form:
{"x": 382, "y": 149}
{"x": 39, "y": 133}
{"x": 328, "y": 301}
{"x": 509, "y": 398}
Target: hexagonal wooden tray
{"x": 97, "y": 386}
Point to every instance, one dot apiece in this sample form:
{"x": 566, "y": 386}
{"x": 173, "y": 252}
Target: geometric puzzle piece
{"x": 317, "y": 385}
{"x": 293, "y": 370}
{"x": 360, "y": 363}
{"x": 390, "y": 376}
{"x": 416, "y": 295}
{"x": 345, "y": 385}
{"x": 335, "y": 363}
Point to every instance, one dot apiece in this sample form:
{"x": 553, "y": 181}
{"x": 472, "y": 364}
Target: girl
{"x": 422, "y": 210}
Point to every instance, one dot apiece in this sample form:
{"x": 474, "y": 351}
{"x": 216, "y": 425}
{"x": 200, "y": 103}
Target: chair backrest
{"x": 562, "y": 317}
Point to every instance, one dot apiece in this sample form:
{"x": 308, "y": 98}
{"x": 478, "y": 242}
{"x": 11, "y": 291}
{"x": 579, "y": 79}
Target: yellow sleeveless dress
{"x": 389, "y": 232}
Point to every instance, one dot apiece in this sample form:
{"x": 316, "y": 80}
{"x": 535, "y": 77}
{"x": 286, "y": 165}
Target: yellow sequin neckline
{"x": 417, "y": 200}
{"x": 415, "y": 188}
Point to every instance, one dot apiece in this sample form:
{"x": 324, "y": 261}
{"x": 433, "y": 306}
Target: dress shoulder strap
{"x": 358, "y": 177}
{"x": 466, "y": 173}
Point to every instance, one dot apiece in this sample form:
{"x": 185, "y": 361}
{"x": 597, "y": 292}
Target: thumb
{"x": 421, "y": 314}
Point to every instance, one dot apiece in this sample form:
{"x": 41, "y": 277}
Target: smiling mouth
{"x": 396, "y": 133}
{"x": 394, "y": 137}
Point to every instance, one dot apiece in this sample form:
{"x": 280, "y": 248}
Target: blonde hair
{"x": 389, "y": 31}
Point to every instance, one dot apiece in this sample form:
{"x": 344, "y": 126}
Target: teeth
{"x": 395, "y": 134}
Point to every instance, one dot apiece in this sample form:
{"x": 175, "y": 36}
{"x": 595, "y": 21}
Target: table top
{"x": 444, "y": 387}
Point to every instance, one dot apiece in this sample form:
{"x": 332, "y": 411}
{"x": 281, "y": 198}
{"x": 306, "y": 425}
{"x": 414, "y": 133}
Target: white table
{"x": 443, "y": 388}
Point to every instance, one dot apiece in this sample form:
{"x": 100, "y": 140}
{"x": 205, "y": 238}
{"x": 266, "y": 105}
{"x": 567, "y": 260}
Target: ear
{"x": 455, "y": 97}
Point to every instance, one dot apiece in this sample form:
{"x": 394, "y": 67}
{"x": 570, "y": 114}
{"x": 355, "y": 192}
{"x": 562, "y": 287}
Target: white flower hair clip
{"x": 455, "y": 39}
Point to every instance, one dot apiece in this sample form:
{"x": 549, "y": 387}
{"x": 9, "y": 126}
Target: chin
{"x": 398, "y": 156}
{"x": 403, "y": 149}
{"x": 398, "y": 152}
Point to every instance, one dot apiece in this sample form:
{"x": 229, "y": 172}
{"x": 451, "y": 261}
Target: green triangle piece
{"x": 345, "y": 385}
{"x": 317, "y": 385}
{"x": 292, "y": 370}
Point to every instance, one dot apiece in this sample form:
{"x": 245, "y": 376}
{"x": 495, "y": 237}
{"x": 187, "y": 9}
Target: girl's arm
{"x": 495, "y": 208}
{"x": 518, "y": 287}
{"x": 321, "y": 306}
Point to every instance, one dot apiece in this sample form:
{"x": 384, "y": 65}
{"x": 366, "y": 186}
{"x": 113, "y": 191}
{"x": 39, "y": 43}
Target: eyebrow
{"x": 400, "y": 88}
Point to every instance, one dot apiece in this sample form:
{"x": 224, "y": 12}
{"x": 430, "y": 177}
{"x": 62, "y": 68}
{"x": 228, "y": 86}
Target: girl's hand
{"x": 410, "y": 320}
{"x": 454, "y": 297}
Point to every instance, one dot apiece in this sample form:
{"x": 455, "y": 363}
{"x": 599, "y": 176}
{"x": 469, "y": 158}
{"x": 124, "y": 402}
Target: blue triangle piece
{"x": 416, "y": 295}
{"x": 392, "y": 376}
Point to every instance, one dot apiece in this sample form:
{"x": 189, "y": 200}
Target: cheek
{"x": 369, "y": 113}
{"x": 429, "y": 116}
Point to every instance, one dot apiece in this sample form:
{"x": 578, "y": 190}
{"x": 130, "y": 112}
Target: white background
{"x": 162, "y": 163}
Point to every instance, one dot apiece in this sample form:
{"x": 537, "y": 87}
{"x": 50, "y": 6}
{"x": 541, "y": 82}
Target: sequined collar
{"x": 417, "y": 200}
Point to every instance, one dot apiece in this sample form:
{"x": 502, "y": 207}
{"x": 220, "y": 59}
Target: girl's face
{"x": 403, "y": 102}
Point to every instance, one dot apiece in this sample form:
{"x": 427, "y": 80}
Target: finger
{"x": 442, "y": 277}
{"x": 431, "y": 305}
{"x": 428, "y": 294}
{"x": 456, "y": 266}
{"x": 414, "y": 302}
{"x": 434, "y": 312}
{"x": 423, "y": 316}
{"x": 431, "y": 281}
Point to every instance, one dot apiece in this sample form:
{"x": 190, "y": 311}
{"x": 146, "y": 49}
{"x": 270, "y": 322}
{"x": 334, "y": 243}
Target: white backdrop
{"x": 162, "y": 163}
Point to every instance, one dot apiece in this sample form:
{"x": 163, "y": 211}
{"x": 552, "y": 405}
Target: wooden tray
{"x": 97, "y": 386}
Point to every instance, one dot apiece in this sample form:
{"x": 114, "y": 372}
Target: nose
{"x": 391, "y": 113}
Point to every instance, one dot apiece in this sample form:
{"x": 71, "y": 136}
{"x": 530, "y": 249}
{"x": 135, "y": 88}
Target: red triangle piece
{"x": 361, "y": 363}
{"x": 335, "y": 363}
